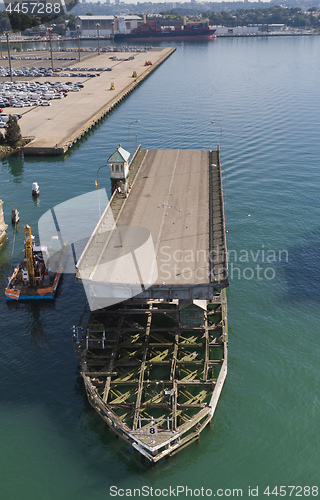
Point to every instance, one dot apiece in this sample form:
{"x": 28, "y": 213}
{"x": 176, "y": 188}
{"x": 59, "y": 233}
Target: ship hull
{"x": 152, "y": 33}
{"x": 164, "y": 36}
{"x": 18, "y": 293}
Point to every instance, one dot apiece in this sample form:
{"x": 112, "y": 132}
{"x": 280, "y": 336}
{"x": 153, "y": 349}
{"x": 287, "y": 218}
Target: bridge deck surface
{"x": 170, "y": 198}
{"x": 176, "y": 199}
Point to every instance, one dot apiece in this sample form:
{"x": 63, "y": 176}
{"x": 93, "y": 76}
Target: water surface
{"x": 264, "y": 94}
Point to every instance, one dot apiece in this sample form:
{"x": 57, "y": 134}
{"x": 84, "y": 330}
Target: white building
{"x": 119, "y": 166}
{"x": 257, "y": 29}
{"x": 107, "y": 25}
{"x": 237, "y": 30}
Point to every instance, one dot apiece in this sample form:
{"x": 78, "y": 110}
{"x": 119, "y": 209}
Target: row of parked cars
{"x": 35, "y": 72}
{"x": 25, "y": 94}
{"x": 87, "y": 69}
{"x": 38, "y": 58}
{"x": 32, "y": 72}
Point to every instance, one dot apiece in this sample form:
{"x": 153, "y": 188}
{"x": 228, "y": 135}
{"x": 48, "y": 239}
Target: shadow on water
{"x": 111, "y": 443}
{"x": 14, "y": 164}
{"x": 4, "y": 254}
{"x": 302, "y": 271}
{"x": 35, "y": 328}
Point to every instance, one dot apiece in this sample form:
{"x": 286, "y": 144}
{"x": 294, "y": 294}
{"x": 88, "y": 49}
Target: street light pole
{"x": 97, "y": 181}
{"x": 9, "y": 56}
{"x": 113, "y": 26}
{"x": 50, "y": 42}
{"x": 78, "y": 32}
{"x": 218, "y": 123}
{"x": 134, "y": 121}
{"x": 97, "y": 185}
{"x": 98, "y": 26}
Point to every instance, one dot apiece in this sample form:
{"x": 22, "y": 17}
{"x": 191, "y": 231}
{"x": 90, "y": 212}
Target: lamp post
{"x": 97, "y": 184}
{"x": 98, "y": 26}
{"x": 78, "y": 33}
{"x": 97, "y": 181}
{"x": 113, "y": 27}
{"x": 9, "y": 57}
{"x": 112, "y": 34}
{"x": 50, "y": 42}
{"x": 218, "y": 123}
{"x": 134, "y": 121}
{"x": 66, "y": 25}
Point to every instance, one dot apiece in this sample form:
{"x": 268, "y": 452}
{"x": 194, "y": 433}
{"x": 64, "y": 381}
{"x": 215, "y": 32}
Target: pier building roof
{"x": 120, "y": 155}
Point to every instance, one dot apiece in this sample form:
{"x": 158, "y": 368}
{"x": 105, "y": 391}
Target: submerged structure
{"x": 153, "y": 349}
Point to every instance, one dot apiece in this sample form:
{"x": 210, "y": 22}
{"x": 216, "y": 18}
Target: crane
{"x": 29, "y": 255}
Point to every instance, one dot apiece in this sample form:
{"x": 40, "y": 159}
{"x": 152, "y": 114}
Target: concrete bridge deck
{"x": 177, "y": 199}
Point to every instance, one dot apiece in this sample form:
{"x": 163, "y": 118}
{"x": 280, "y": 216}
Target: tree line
{"x": 291, "y": 16}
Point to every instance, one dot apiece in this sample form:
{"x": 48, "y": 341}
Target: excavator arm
{"x": 29, "y": 255}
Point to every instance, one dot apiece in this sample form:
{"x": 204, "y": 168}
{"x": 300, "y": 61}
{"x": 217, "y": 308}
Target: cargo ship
{"x": 153, "y": 30}
{"x": 37, "y": 276}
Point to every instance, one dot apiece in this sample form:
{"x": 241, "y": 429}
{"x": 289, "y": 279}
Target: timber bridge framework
{"x": 154, "y": 362}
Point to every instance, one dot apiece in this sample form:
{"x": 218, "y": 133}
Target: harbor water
{"x": 263, "y": 95}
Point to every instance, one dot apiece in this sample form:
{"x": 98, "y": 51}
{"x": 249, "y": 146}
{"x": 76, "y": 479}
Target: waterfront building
{"x": 108, "y": 24}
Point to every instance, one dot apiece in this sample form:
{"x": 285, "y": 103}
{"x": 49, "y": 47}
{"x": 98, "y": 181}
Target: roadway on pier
{"x": 174, "y": 198}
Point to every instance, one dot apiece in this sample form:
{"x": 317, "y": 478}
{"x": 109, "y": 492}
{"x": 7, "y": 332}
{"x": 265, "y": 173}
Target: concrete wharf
{"x": 56, "y": 128}
{"x": 154, "y": 363}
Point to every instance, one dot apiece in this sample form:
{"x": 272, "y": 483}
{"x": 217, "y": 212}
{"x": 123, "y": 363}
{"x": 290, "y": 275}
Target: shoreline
{"x": 111, "y": 49}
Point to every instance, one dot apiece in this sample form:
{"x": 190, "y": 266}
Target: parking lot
{"x": 27, "y": 94}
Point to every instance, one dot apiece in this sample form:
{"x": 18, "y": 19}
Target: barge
{"x": 37, "y": 276}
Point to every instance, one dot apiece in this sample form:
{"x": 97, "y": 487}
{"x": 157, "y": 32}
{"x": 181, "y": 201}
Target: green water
{"x": 264, "y": 93}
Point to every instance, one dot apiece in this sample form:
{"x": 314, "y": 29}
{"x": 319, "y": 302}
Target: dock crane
{"x": 29, "y": 255}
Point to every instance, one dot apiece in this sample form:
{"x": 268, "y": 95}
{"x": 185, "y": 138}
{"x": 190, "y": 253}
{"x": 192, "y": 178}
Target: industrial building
{"x": 106, "y": 26}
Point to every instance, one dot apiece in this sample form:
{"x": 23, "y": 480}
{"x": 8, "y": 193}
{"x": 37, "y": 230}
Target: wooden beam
{"x": 142, "y": 369}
